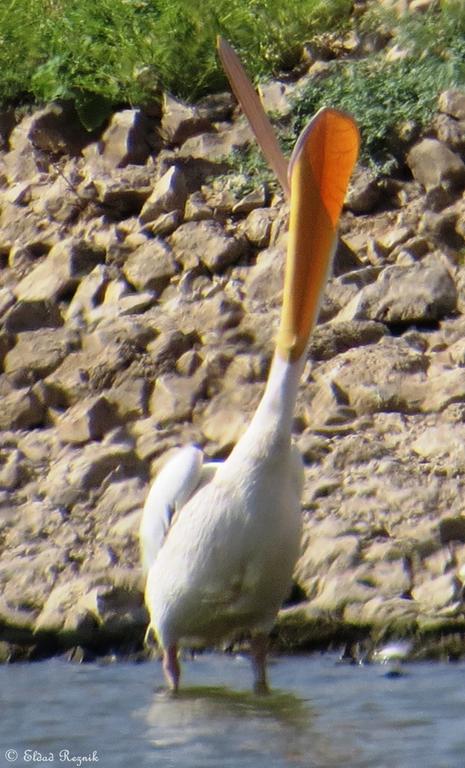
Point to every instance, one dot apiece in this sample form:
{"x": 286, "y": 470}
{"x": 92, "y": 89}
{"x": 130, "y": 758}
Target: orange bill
{"x": 319, "y": 173}
{"x": 253, "y": 110}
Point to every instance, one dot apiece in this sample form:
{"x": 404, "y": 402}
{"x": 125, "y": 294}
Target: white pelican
{"x": 220, "y": 541}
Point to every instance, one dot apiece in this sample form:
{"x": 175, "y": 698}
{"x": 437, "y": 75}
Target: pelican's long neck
{"x": 319, "y": 173}
{"x": 275, "y": 411}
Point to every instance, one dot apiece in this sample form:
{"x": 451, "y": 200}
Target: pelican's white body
{"x": 226, "y": 563}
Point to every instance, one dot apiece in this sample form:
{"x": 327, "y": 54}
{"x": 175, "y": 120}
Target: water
{"x": 321, "y": 714}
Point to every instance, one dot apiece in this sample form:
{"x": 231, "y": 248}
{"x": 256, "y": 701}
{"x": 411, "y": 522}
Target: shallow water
{"x": 321, "y": 714}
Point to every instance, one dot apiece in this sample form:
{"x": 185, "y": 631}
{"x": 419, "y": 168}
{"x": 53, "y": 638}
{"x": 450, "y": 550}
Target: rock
{"x": 394, "y": 237}
{"x": 440, "y": 441}
{"x": 32, "y": 316}
{"x": 325, "y": 555}
{"x": 396, "y": 615}
{"x": 206, "y": 242}
{"x": 7, "y": 299}
{"x": 188, "y": 363}
{"x": 75, "y": 473}
{"x": 420, "y": 292}
{"x": 124, "y": 191}
{"x": 364, "y": 193}
{"x": 434, "y": 594}
{"x": 40, "y": 138}
{"x": 274, "y": 96}
{"x": 257, "y": 227}
{"x": 21, "y": 409}
{"x": 445, "y": 386}
{"x": 330, "y": 339}
{"x": 88, "y": 420}
{"x": 254, "y": 199}
{"x": 89, "y": 293}
{"x": 452, "y": 529}
{"x": 180, "y": 121}
{"x": 6, "y": 343}
{"x": 166, "y": 349}
{"x": 450, "y": 132}
{"x": 151, "y": 266}
{"x": 435, "y": 165}
{"x": 215, "y": 147}
{"x": 215, "y": 316}
{"x": 385, "y": 376}
{"x": 60, "y": 271}
{"x": 129, "y": 396}
{"x": 264, "y": 283}
{"x": 228, "y": 414}
{"x": 169, "y": 194}
{"x": 452, "y": 102}
{"x": 173, "y": 397}
{"x": 60, "y": 201}
{"x": 196, "y": 208}
{"x": 165, "y": 224}
{"x": 10, "y": 469}
{"x": 125, "y": 140}
{"x": 217, "y": 107}
{"x": 36, "y": 354}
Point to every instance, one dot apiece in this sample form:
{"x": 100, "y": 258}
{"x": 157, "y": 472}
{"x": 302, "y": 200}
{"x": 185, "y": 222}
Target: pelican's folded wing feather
{"x": 172, "y": 488}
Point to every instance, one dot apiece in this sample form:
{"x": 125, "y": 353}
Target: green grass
{"x": 383, "y": 96}
{"x": 106, "y": 53}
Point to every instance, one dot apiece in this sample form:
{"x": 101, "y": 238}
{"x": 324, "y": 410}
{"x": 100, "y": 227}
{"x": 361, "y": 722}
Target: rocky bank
{"x": 139, "y": 296}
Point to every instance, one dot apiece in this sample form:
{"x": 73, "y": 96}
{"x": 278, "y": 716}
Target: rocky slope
{"x": 139, "y": 294}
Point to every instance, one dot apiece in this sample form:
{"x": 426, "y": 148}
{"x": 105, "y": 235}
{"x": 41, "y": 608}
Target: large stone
{"x": 364, "y": 192}
{"x": 217, "y": 147}
{"x": 452, "y": 102}
{"x": 206, "y": 242}
{"x": 21, "y": 409}
{"x": 174, "y": 397}
{"x": 257, "y": 227}
{"x": 77, "y": 473}
{"x": 330, "y": 339}
{"x": 124, "y": 191}
{"x": 89, "y": 293}
{"x": 434, "y": 594}
{"x": 420, "y": 292}
{"x": 126, "y": 140}
{"x": 445, "y": 386}
{"x": 60, "y": 271}
{"x": 40, "y": 138}
{"x": 433, "y": 164}
{"x": 129, "y": 396}
{"x": 276, "y": 97}
{"x": 169, "y": 194}
{"x": 33, "y": 315}
{"x": 36, "y": 354}
{"x": 227, "y": 415}
{"x": 180, "y": 121}
{"x": 386, "y": 376}
{"x": 151, "y": 266}
{"x": 88, "y": 420}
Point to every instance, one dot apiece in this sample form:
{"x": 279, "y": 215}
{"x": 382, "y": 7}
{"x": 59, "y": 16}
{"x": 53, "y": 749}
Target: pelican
{"x": 219, "y": 541}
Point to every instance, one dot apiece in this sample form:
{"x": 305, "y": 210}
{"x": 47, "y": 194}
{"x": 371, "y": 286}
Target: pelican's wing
{"x": 172, "y": 488}
{"x": 253, "y": 110}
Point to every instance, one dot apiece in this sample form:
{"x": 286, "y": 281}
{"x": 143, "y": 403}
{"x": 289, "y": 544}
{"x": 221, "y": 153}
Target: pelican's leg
{"x": 171, "y": 667}
{"x": 258, "y": 651}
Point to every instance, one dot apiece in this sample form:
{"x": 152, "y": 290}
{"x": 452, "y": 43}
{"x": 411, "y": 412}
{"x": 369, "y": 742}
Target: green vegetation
{"x": 385, "y": 96}
{"x": 110, "y": 53}
{"x": 106, "y": 53}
